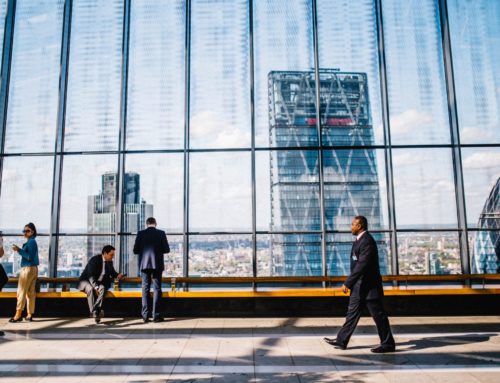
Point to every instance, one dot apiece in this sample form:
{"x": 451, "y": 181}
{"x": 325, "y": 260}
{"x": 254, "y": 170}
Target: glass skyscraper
{"x": 351, "y": 185}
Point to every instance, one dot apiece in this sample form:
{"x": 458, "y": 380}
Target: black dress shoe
{"x": 2, "y": 333}
{"x": 145, "y": 320}
{"x": 29, "y": 319}
{"x": 14, "y": 320}
{"x": 383, "y": 349}
{"x": 335, "y": 342}
{"x": 158, "y": 319}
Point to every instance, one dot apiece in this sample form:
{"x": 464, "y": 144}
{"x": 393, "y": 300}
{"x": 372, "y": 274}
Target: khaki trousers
{"x": 26, "y": 288}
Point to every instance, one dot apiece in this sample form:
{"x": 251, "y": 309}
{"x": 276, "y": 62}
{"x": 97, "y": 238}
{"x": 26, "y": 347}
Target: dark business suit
{"x": 365, "y": 283}
{"x": 150, "y": 245}
{"x": 89, "y": 281}
{"x": 3, "y": 278}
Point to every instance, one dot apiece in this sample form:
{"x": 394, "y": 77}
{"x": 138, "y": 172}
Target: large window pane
{"x": 11, "y": 261}
{"x": 89, "y": 194}
{"x": 94, "y": 83}
{"x": 155, "y": 113}
{"x": 173, "y": 260}
{"x": 429, "y": 253}
{"x": 289, "y": 255}
{"x": 338, "y": 252}
{"x": 484, "y": 247}
{"x": 34, "y": 81}
{"x": 220, "y": 256}
{"x": 481, "y": 168}
{"x": 349, "y": 44}
{"x": 26, "y": 194}
{"x": 75, "y": 251}
{"x": 355, "y": 184}
{"x": 160, "y": 182}
{"x": 424, "y": 188}
{"x": 282, "y": 42}
{"x": 415, "y": 72}
{"x": 220, "y": 192}
{"x": 475, "y": 38}
{"x": 220, "y": 86}
{"x": 288, "y": 190}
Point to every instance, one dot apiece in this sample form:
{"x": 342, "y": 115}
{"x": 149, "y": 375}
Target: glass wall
{"x": 254, "y": 131}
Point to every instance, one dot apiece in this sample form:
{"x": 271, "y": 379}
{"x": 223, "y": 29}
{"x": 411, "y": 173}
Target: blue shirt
{"x": 29, "y": 253}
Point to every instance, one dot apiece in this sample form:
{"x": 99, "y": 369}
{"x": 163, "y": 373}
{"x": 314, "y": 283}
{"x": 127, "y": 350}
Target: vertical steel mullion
{"x": 455, "y": 137}
{"x": 324, "y": 271}
{"x": 252, "y": 122}
{"x": 119, "y": 238}
{"x": 387, "y": 137}
{"x": 187, "y": 74}
{"x": 59, "y": 144}
{"x": 10, "y": 18}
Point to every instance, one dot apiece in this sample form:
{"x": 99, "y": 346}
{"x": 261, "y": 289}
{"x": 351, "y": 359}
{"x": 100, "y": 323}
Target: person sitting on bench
{"x": 96, "y": 280}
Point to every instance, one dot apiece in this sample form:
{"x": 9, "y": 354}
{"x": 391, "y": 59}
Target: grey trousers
{"x": 95, "y": 301}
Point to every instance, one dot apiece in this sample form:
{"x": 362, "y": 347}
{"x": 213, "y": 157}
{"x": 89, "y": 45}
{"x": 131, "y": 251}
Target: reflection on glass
{"x": 89, "y": 194}
{"x": 355, "y": 184}
{"x": 11, "y": 261}
{"x": 481, "y": 167}
{"x": 415, "y": 72}
{"x": 74, "y": 252}
{"x": 161, "y": 186}
{"x": 94, "y": 83}
{"x": 349, "y": 44}
{"x": 220, "y": 86}
{"x": 220, "y": 255}
{"x": 26, "y": 194}
{"x": 475, "y": 38}
{"x": 155, "y": 107}
{"x": 282, "y": 42}
{"x": 338, "y": 252}
{"x": 485, "y": 248}
{"x": 220, "y": 192}
{"x": 429, "y": 253}
{"x": 173, "y": 260}
{"x": 424, "y": 188}
{"x": 34, "y": 78}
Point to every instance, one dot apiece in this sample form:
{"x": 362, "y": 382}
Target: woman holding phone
{"x": 29, "y": 273}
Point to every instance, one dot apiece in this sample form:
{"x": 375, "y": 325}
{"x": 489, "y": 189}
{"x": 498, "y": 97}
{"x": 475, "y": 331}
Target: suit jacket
{"x": 365, "y": 281}
{"x": 93, "y": 270}
{"x": 150, "y": 245}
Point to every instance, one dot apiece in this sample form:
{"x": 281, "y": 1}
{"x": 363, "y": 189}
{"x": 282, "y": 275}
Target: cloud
{"x": 209, "y": 129}
{"x": 410, "y": 121}
{"x": 475, "y": 134}
{"x": 482, "y": 160}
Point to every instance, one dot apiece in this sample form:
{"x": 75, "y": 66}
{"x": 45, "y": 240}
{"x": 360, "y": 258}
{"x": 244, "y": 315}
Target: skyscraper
{"x": 486, "y": 256}
{"x": 351, "y": 185}
{"x": 102, "y": 212}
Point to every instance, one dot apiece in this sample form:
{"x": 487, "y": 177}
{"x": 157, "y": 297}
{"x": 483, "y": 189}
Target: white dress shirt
{"x": 101, "y": 277}
{"x": 360, "y": 235}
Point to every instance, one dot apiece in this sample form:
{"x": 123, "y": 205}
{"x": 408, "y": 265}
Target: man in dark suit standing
{"x": 96, "y": 280}
{"x": 151, "y": 244}
{"x": 365, "y": 284}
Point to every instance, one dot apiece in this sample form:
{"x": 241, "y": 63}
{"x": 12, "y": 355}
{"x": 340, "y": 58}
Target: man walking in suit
{"x": 96, "y": 280}
{"x": 151, "y": 244}
{"x": 365, "y": 284}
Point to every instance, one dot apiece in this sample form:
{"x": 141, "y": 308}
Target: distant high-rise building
{"x": 102, "y": 213}
{"x": 351, "y": 183}
{"x": 486, "y": 256}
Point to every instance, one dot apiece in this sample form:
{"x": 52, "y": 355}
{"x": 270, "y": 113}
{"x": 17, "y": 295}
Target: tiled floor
{"x": 439, "y": 349}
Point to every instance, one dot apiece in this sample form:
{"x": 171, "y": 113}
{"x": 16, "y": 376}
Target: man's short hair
{"x": 362, "y": 221}
{"x": 106, "y": 249}
{"x": 151, "y": 221}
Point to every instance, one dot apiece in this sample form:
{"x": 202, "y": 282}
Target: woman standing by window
{"x": 29, "y": 273}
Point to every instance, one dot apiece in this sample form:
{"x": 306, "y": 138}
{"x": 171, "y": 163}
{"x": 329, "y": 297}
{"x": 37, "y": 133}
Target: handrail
{"x": 174, "y": 281}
